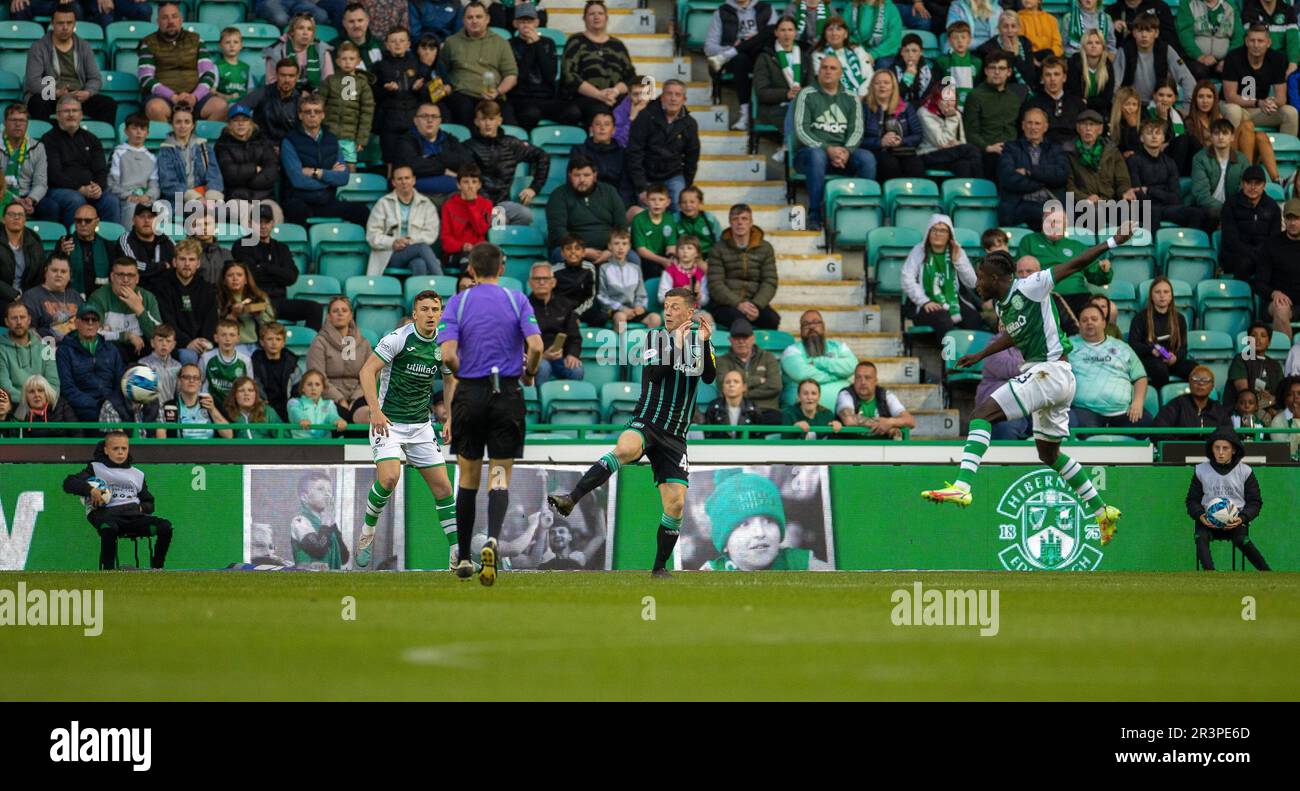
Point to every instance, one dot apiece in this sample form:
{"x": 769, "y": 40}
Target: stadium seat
{"x": 704, "y": 393}
{"x": 1174, "y": 389}
{"x": 36, "y": 128}
{"x": 1186, "y": 242}
{"x": 618, "y": 399}
{"x": 110, "y": 231}
{"x": 374, "y": 291}
{"x": 557, "y": 140}
{"x": 209, "y": 130}
{"x": 693, "y": 19}
{"x": 93, "y": 34}
{"x": 519, "y": 241}
{"x": 123, "y": 88}
{"x": 910, "y": 202}
{"x": 721, "y": 341}
{"x": 887, "y": 248}
{"x": 1279, "y": 347}
{"x": 339, "y": 249}
{"x": 104, "y": 133}
{"x": 1210, "y": 345}
{"x": 222, "y": 13}
{"x": 371, "y": 334}
{"x": 377, "y": 321}
{"x": 569, "y": 400}
{"x": 853, "y": 210}
{"x": 1225, "y": 305}
{"x": 11, "y": 87}
{"x": 512, "y": 283}
{"x": 1015, "y": 235}
{"x": 445, "y": 285}
{"x": 558, "y": 37}
{"x": 122, "y": 40}
{"x": 209, "y": 34}
{"x": 457, "y": 131}
{"x": 364, "y": 188}
{"x": 295, "y": 238}
{"x": 1152, "y": 402}
{"x": 49, "y": 231}
{"x": 652, "y": 295}
{"x": 258, "y": 35}
{"x": 972, "y": 203}
{"x": 1189, "y": 269}
{"x": 774, "y": 341}
{"x": 317, "y": 288}
{"x": 957, "y": 343}
{"x": 298, "y": 339}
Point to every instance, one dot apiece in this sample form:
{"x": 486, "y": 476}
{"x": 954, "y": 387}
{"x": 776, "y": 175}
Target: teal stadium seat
{"x": 295, "y": 238}
{"x": 972, "y": 203}
{"x": 222, "y": 13}
{"x": 123, "y": 39}
{"x": 853, "y": 210}
{"x": 317, "y": 288}
{"x": 258, "y": 36}
{"x": 364, "y": 188}
{"x": 298, "y": 339}
{"x": 445, "y": 285}
{"x": 49, "y": 231}
{"x": 910, "y": 202}
{"x": 519, "y": 241}
{"x": 557, "y": 140}
{"x": 774, "y": 341}
{"x": 567, "y": 402}
{"x": 957, "y": 343}
{"x": 618, "y": 400}
{"x": 339, "y": 249}
{"x": 11, "y": 87}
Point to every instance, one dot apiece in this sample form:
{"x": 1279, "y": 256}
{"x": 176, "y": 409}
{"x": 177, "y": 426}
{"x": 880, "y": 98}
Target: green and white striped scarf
{"x": 1076, "y": 30}
{"x": 791, "y": 65}
{"x": 801, "y": 19}
{"x": 852, "y": 78}
{"x": 877, "y": 23}
{"x": 939, "y": 279}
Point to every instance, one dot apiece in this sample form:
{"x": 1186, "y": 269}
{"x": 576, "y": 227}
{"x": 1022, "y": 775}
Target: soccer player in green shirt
{"x": 398, "y": 384}
{"x": 1046, "y": 385}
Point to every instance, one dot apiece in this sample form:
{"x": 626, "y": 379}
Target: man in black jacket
{"x": 151, "y": 251}
{"x": 270, "y": 262}
{"x": 434, "y": 156}
{"x": 275, "y": 107}
{"x": 663, "y": 145}
{"x": 534, "y": 96}
{"x": 497, "y": 155}
{"x": 1277, "y": 281}
{"x": 76, "y": 168}
{"x": 555, "y": 315}
{"x": 188, "y": 303}
{"x": 1125, "y": 13}
{"x": 1249, "y": 218}
{"x": 1154, "y": 176}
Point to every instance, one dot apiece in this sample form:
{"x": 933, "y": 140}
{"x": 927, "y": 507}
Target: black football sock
{"x": 1252, "y": 554}
{"x": 498, "y": 502}
{"x": 597, "y": 475}
{"x": 465, "y": 512}
{"x": 669, "y": 528}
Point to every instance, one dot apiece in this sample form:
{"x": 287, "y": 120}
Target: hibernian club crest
{"x": 1045, "y": 526}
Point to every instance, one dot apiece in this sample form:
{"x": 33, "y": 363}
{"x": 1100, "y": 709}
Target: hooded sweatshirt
{"x": 130, "y": 493}
{"x": 1234, "y": 480}
{"x": 18, "y": 363}
{"x": 133, "y": 171}
{"x": 929, "y": 277}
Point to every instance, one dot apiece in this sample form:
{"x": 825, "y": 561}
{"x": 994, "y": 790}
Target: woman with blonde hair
{"x": 1011, "y": 40}
{"x": 857, "y": 65}
{"x": 339, "y": 351}
{"x": 1088, "y": 75}
{"x": 40, "y": 404}
{"x": 892, "y": 130}
{"x": 300, "y": 43}
{"x": 1253, "y": 144}
{"x": 1125, "y": 125}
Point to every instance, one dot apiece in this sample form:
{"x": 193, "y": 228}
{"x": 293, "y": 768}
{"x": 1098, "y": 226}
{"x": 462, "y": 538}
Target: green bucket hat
{"x": 740, "y": 495}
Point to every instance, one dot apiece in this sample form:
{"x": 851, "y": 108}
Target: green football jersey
{"x": 406, "y": 383}
{"x": 219, "y": 375}
{"x": 1030, "y": 317}
{"x": 655, "y": 238}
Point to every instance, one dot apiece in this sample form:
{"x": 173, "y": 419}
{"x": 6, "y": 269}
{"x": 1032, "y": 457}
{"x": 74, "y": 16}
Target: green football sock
{"x": 1074, "y": 474}
{"x": 977, "y": 444}
{"x": 375, "y": 502}
{"x": 446, "y": 507}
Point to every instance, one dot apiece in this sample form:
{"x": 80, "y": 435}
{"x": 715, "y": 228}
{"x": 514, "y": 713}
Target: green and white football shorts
{"x": 1043, "y": 392}
{"x": 417, "y": 440}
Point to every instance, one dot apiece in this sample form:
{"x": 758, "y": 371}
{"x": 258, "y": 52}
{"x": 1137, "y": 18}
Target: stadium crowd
{"x": 368, "y": 147}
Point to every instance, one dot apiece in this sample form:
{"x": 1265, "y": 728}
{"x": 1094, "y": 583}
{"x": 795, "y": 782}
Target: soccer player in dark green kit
{"x": 676, "y": 359}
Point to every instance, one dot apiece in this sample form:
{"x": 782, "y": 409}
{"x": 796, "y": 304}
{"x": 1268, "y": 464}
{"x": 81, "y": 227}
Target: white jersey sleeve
{"x": 1037, "y": 286}
{"x": 896, "y": 407}
{"x": 391, "y": 344}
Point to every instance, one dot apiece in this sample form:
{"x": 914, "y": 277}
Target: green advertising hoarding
{"x": 1023, "y": 518}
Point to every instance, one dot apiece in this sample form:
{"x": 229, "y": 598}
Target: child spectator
{"x": 246, "y": 407}
{"x": 466, "y": 217}
{"x": 1253, "y": 369}
{"x": 312, "y": 408}
{"x": 275, "y": 368}
{"x": 1041, "y": 28}
{"x": 349, "y": 104}
{"x": 808, "y": 411}
{"x": 621, "y": 292}
{"x": 234, "y": 77}
{"x": 653, "y": 235}
{"x": 960, "y": 63}
{"x": 133, "y": 169}
{"x": 1155, "y": 175}
{"x": 995, "y": 239}
{"x": 575, "y": 280}
{"x": 1224, "y": 474}
{"x": 1180, "y": 145}
{"x": 161, "y": 362}
{"x": 692, "y": 219}
{"x": 1245, "y": 413}
{"x": 625, "y": 112}
{"x": 125, "y": 508}
{"x": 400, "y": 90}
{"x": 1159, "y": 336}
{"x": 431, "y": 69}
{"x": 221, "y": 366}
{"x": 1125, "y": 125}
{"x": 1288, "y": 393}
{"x": 686, "y": 271}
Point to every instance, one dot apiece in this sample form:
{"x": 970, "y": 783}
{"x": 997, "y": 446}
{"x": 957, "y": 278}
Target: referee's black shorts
{"x": 483, "y": 419}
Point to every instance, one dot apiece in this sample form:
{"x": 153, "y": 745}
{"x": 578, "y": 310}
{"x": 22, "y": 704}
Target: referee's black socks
{"x": 498, "y": 503}
{"x": 594, "y": 477}
{"x": 465, "y": 519}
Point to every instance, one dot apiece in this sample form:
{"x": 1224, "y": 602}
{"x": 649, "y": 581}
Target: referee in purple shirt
{"x": 486, "y": 333}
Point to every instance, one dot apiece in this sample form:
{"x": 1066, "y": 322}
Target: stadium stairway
{"x": 810, "y": 277}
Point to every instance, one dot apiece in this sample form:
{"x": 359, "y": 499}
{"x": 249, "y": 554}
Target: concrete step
{"x": 733, "y": 167}
{"x": 936, "y": 423}
{"x": 919, "y": 396}
{"x": 795, "y": 242}
{"x": 621, "y": 20}
{"x": 828, "y": 293}
{"x": 894, "y": 371}
{"x": 578, "y": 5}
{"x": 840, "y": 320}
{"x": 663, "y": 68}
{"x": 716, "y": 118}
{"x": 729, "y": 192}
{"x": 701, "y": 93}
{"x": 825, "y": 267}
{"x": 722, "y": 141}
{"x": 889, "y": 314}
{"x": 867, "y": 345}
{"x": 648, "y": 45}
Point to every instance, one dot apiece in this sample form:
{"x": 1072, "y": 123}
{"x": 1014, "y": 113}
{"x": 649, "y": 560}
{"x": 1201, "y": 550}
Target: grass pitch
{"x": 427, "y": 636}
